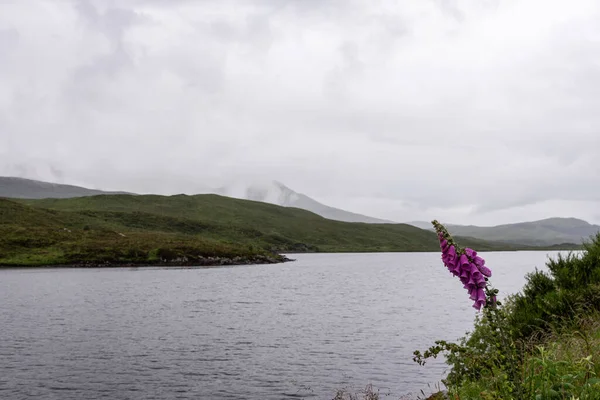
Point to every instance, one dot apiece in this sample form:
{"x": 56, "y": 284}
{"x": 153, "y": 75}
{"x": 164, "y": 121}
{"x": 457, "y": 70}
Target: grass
{"x": 32, "y": 236}
{"x": 242, "y": 221}
{"x": 224, "y": 218}
{"x": 152, "y": 229}
{"x": 566, "y": 365}
{"x": 561, "y": 365}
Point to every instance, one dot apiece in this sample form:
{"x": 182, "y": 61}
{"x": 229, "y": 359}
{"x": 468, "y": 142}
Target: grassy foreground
{"x": 544, "y": 343}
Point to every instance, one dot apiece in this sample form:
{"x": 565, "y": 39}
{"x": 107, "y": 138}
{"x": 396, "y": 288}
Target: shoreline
{"x": 207, "y": 262}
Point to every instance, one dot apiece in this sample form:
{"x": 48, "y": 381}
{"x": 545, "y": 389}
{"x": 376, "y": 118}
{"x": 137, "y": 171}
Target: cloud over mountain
{"x": 468, "y": 111}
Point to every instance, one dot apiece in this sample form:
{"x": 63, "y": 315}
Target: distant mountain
{"x": 545, "y": 232}
{"x": 277, "y": 193}
{"x": 267, "y": 192}
{"x": 22, "y": 188}
{"x": 421, "y": 224}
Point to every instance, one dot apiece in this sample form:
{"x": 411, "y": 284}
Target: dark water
{"x": 297, "y": 330}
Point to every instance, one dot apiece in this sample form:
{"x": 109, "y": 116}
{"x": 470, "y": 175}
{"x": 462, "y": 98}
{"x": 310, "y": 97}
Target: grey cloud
{"x": 9, "y": 38}
{"x": 113, "y": 21}
{"x": 399, "y": 110}
{"x": 450, "y": 8}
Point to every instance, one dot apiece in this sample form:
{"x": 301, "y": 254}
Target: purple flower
{"x": 443, "y": 244}
{"x": 478, "y": 261}
{"x": 449, "y": 257}
{"x": 479, "y": 299}
{"x": 485, "y": 271}
{"x": 466, "y": 265}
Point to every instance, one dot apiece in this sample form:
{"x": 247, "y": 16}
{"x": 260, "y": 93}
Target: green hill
{"x": 119, "y": 229}
{"x": 31, "y": 236}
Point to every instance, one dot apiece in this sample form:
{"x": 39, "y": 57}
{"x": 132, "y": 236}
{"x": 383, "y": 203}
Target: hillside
{"x": 268, "y": 192}
{"x": 242, "y": 221}
{"x": 546, "y": 232}
{"x": 145, "y": 228}
{"x": 277, "y": 193}
{"x": 31, "y": 236}
{"x": 21, "y": 188}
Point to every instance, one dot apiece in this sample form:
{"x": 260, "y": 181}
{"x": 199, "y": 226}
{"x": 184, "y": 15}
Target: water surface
{"x": 294, "y": 330}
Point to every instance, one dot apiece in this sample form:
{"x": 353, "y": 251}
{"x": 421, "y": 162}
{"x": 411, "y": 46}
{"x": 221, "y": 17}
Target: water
{"x": 296, "y": 330}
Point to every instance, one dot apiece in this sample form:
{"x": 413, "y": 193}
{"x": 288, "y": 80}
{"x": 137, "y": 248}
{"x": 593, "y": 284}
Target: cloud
{"x": 475, "y": 111}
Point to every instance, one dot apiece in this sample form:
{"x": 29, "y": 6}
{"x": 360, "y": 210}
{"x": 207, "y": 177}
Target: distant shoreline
{"x": 211, "y": 262}
{"x": 574, "y": 248}
{"x": 206, "y": 263}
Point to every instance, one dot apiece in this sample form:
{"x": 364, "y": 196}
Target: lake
{"x": 296, "y": 330}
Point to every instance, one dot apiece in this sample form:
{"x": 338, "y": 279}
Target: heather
{"x": 542, "y": 343}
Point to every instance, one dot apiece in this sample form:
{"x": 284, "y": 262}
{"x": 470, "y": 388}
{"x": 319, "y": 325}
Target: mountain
{"x": 277, "y": 193}
{"x": 22, "y": 188}
{"x": 421, "y": 224}
{"x": 546, "y": 232}
{"x": 268, "y": 192}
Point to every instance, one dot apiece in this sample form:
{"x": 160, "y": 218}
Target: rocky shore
{"x": 177, "y": 262}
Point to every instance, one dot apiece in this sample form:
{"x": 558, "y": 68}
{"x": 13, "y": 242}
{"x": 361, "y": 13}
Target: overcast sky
{"x": 472, "y": 112}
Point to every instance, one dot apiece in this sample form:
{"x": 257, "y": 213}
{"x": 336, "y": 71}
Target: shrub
{"x": 505, "y": 357}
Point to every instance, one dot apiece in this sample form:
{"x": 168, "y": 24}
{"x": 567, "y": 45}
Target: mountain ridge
{"x": 272, "y": 192}
{"x": 543, "y": 232}
{"x": 275, "y": 192}
{"x": 24, "y": 188}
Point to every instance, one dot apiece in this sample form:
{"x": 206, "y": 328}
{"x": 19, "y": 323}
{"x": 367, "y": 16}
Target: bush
{"x": 517, "y": 350}
{"x": 551, "y": 301}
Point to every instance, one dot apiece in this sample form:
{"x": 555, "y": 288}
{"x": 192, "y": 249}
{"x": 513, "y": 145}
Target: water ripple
{"x": 301, "y": 330}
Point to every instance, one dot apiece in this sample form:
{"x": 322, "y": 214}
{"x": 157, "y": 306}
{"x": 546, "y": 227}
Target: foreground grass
{"x": 567, "y": 364}
{"x": 563, "y": 365}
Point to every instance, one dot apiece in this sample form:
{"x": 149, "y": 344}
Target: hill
{"x": 277, "y": 193}
{"x": 268, "y": 192}
{"x": 144, "y": 229}
{"x": 546, "y": 232}
{"x": 31, "y": 236}
{"x": 22, "y": 188}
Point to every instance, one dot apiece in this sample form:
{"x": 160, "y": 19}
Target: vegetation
{"x": 544, "y": 343}
{"x": 121, "y": 229}
{"x": 30, "y": 236}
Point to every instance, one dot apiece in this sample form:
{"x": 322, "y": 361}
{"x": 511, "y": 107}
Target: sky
{"x": 467, "y": 111}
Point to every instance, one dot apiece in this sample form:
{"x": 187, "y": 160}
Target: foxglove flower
{"x": 466, "y": 265}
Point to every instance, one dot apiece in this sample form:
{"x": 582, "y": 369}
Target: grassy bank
{"x": 563, "y": 364}
{"x": 544, "y": 343}
{"x": 35, "y": 237}
{"x": 200, "y": 230}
